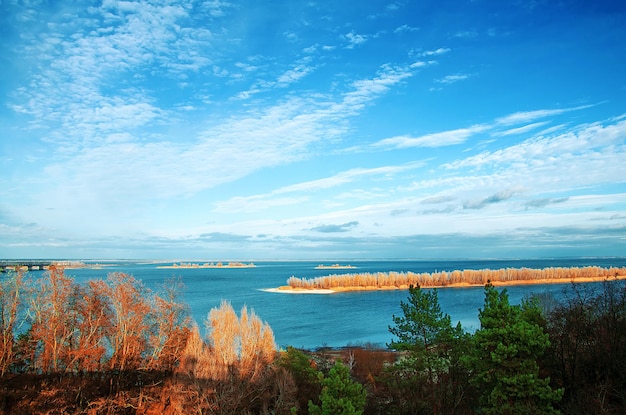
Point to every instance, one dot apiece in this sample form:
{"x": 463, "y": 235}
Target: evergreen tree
{"x": 431, "y": 377}
{"x": 340, "y": 394}
{"x": 507, "y": 348}
{"x": 305, "y": 375}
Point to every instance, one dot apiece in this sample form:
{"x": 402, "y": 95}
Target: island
{"x": 334, "y": 266}
{"x": 458, "y": 278}
{"x": 184, "y": 265}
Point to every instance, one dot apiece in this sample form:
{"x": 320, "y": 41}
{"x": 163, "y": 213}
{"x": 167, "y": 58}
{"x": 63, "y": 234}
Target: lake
{"x": 334, "y": 320}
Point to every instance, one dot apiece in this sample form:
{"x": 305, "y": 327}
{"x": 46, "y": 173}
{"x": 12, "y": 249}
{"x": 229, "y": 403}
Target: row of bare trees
{"x": 446, "y": 278}
{"x": 54, "y": 325}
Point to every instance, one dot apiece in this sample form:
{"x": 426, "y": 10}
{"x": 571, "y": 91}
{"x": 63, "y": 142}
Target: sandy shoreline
{"x": 289, "y": 290}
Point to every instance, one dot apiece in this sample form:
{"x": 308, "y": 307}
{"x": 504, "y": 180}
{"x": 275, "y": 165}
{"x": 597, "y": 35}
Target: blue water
{"x": 335, "y": 320}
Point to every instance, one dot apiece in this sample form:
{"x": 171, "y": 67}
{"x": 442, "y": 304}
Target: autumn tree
{"x": 170, "y": 330}
{"x": 10, "y": 302}
{"x": 245, "y": 344}
{"x": 507, "y": 348}
{"x": 131, "y": 321}
{"x": 53, "y": 320}
{"x": 93, "y": 326}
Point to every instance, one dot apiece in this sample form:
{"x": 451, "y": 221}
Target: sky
{"x": 328, "y": 130}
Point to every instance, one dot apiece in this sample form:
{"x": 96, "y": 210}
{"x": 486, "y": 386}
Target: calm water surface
{"x": 335, "y": 320}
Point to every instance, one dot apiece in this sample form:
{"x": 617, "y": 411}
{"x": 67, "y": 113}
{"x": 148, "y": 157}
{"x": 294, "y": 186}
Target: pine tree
{"x": 340, "y": 394}
{"x": 507, "y": 348}
{"x": 431, "y": 375}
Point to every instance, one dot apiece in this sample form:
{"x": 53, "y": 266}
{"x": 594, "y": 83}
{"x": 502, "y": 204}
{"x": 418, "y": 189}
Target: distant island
{"x": 334, "y": 266}
{"x": 184, "y": 265}
{"x": 458, "y": 278}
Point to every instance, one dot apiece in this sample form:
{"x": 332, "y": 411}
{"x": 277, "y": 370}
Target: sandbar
{"x": 289, "y": 290}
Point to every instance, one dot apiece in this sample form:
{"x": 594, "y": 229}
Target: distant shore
{"x": 335, "y": 266}
{"x": 208, "y": 265}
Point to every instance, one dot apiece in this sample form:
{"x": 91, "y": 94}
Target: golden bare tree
{"x": 10, "y": 301}
{"x": 225, "y": 339}
{"x": 243, "y": 345}
{"x": 258, "y": 347}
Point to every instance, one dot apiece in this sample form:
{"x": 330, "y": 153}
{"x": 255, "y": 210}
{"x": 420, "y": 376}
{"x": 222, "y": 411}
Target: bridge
{"x": 29, "y": 264}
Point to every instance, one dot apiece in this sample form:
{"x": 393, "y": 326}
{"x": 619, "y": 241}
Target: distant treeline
{"x": 447, "y": 278}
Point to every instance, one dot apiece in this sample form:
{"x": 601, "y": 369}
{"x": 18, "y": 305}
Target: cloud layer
{"x": 216, "y": 129}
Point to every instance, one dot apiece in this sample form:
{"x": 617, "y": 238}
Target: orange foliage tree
{"x": 129, "y": 337}
{"x": 53, "y": 321}
{"x": 10, "y": 302}
{"x": 94, "y": 324}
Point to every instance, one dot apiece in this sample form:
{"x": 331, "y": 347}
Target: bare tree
{"x": 10, "y": 301}
{"x": 129, "y": 337}
{"x": 53, "y": 320}
{"x": 170, "y": 327}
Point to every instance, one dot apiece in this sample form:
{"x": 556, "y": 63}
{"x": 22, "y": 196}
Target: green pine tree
{"x": 507, "y": 348}
{"x": 340, "y": 394}
{"x": 431, "y": 376}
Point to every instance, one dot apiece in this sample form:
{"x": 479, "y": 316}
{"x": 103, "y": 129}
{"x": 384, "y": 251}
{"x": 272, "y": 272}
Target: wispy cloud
{"x": 450, "y": 79}
{"x": 520, "y": 130}
{"x": 546, "y": 201}
{"x": 292, "y": 75}
{"x": 554, "y": 151}
{"x": 260, "y": 202}
{"x": 429, "y": 53}
{"x": 344, "y": 227}
{"x": 496, "y": 198}
{"x": 461, "y": 135}
{"x": 441, "y": 139}
{"x": 405, "y": 28}
{"x": 523, "y": 117}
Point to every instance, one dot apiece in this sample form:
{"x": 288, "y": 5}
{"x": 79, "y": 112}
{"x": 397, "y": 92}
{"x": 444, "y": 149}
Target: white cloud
{"x": 581, "y": 144}
{"x": 435, "y": 52}
{"x": 441, "y": 139}
{"x": 293, "y": 75}
{"x": 529, "y": 116}
{"x": 520, "y": 130}
{"x": 260, "y": 202}
{"x": 405, "y": 28}
{"x": 354, "y": 39}
{"x": 450, "y": 79}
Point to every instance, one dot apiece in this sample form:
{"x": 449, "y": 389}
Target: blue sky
{"x": 312, "y": 130}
